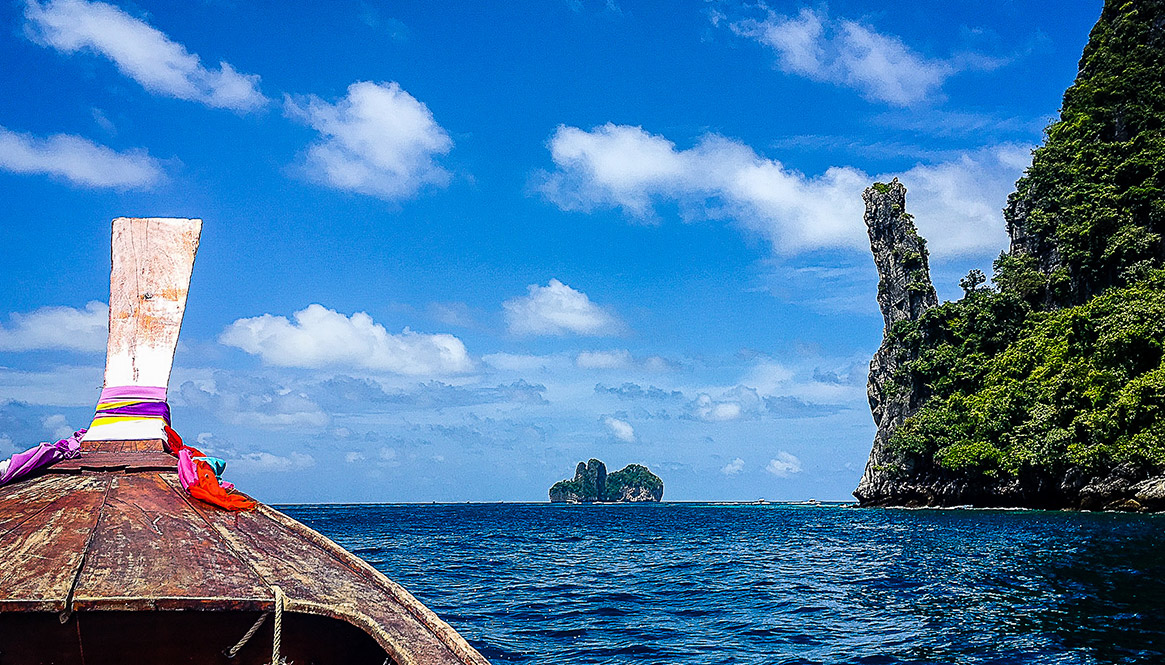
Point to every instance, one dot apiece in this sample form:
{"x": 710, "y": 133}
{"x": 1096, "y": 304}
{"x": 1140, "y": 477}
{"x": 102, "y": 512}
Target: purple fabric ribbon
{"x": 22, "y": 464}
{"x": 149, "y": 409}
{"x": 145, "y": 402}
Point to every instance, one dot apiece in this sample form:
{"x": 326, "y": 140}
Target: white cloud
{"x": 620, "y": 429}
{"x": 738, "y": 402}
{"x": 57, "y": 426}
{"x": 784, "y": 465}
{"x": 707, "y": 409}
{"x": 321, "y": 337}
{"x": 353, "y": 456}
{"x": 847, "y": 53}
{"x": 77, "y": 160}
{"x": 956, "y": 203}
{"x": 263, "y": 462}
{"x": 732, "y": 468}
{"x": 141, "y": 52}
{"x": 64, "y": 328}
{"x": 557, "y": 309}
{"x": 379, "y": 140}
{"x": 617, "y": 359}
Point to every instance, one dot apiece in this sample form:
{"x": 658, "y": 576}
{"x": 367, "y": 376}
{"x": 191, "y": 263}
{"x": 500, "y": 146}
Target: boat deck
{"x": 112, "y": 539}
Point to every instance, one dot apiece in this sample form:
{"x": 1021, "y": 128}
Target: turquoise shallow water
{"x": 706, "y": 584}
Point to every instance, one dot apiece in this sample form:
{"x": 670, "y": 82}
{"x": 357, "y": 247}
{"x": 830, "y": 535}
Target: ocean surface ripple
{"x": 772, "y": 584}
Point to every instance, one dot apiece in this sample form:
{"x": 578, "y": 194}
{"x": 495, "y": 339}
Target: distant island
{"x": 1046, "y": 390}
{"x": 633, "y": 483}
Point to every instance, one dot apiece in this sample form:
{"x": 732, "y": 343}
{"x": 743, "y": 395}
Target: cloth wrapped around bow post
{"x": 122, "y": 407}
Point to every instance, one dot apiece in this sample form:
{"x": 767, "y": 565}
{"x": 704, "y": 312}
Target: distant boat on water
{"x": 112, "y": 556}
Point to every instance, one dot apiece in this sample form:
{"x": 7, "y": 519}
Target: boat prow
{"x": 109, "y": 558}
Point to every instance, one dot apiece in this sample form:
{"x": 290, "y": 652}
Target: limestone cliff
{"x": 591, "y": 484}
{"x": 905, "y": 292}
{"x": 1047, "y": 388}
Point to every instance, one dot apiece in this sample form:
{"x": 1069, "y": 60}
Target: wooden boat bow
{"x": 106, "y": 558}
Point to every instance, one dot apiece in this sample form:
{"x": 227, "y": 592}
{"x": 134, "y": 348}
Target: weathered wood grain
{"x": 148, "y": 283}
{"x": 43, "y": 553}
{"x": 21, "y": 500}
{"x": 151, "y": 550}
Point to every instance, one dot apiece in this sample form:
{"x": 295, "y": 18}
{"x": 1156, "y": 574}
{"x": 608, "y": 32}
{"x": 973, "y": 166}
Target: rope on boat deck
{"x": 276, "y": 658}
{"x": 233, "y": 651}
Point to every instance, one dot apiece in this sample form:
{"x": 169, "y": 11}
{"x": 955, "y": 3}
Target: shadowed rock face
{"x": 905, "y": 292}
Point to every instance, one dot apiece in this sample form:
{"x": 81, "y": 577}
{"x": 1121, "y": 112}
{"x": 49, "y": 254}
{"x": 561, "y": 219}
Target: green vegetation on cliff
{"x": 1060, "y": 366}
{"x": 591, "y": 483}
{"x": 632, "y": 478}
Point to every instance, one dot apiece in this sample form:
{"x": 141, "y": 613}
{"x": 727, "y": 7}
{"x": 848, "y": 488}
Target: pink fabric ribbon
{"x": 45, "y": 454}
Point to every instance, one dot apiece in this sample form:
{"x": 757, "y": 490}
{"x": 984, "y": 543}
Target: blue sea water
{"x": 706, "y": 584}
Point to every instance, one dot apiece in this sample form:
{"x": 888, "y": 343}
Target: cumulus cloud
{"x": 732, "y": 468}
{"x": 264, "y": 462}
{"x": 77, "y": 160}
{"x": 141, "y": 52}
{"x": 620, "y": 429}
{"x": 956, "y": 203}
{"x": 379, "y": 140}
{"x": 63, "y": 328}
{"x": 847, "y": 53}
{"x": 354, "y": 456}
{"x": 557, "y": 309}
{"x": 784, "y": 465}
{"x": 616, "y": 359}
{"x": 321, "y": 337}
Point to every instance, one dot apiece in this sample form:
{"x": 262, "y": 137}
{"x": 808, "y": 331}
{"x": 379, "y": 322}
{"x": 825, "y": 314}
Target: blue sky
{"x": 450, "y": 249}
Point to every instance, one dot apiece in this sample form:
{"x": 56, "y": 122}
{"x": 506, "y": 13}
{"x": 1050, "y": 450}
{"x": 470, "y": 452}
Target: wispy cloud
{"x": 264, "y": 462}
{"x": 57, "y": 328}
{"x": 78, "y": 160}
{"x": 557, "y": 309}
{"x": 141, "y": 52}
{"x": 956, "y": 202}
{"x": 851, "y": 54}
{"x": 345, "y": 394}
{"x": 251, "y": 401}
{"x": 378, "y": 140}
{"x": 616, "y": 359}
{"x": 318, "y": 337}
